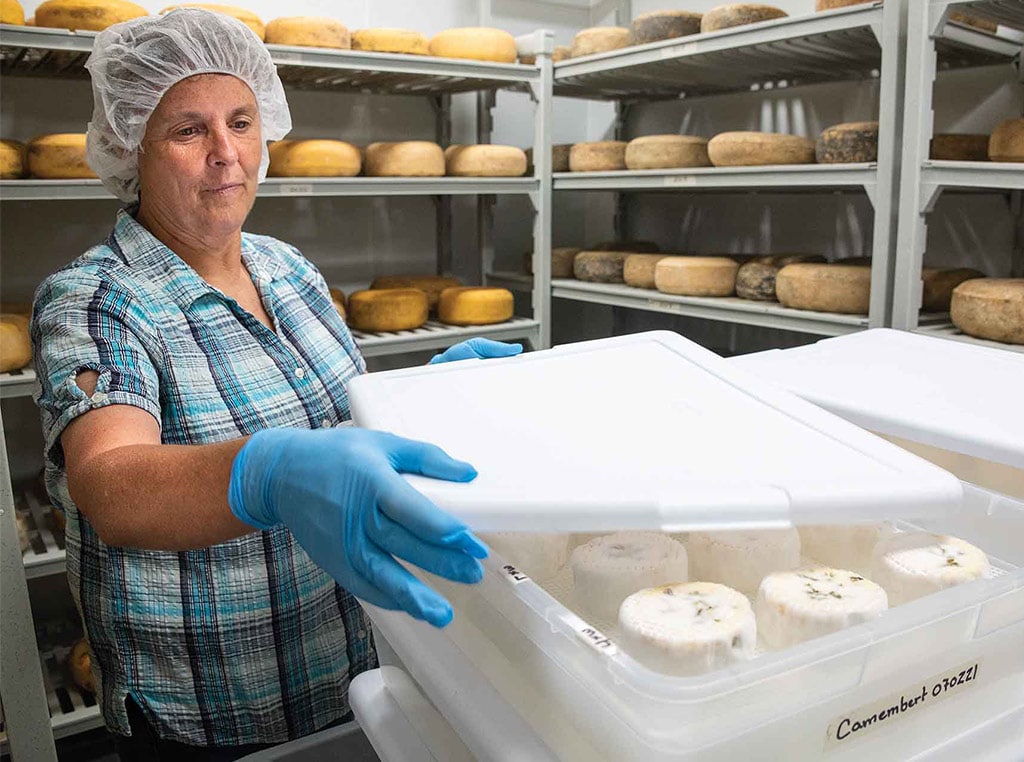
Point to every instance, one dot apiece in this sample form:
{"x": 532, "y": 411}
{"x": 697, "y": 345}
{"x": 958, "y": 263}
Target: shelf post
{"x": 442, "y": 105}
{"x": 485, "y": 101}
{"x": 543, "y": 96}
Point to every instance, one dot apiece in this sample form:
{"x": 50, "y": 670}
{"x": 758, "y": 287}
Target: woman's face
{"x": 200, "y": 158}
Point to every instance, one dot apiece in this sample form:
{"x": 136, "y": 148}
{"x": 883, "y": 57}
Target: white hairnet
{"x": 134, "y": 63}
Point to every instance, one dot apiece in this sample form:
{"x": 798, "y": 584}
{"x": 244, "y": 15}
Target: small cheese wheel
{"x": 938, "y": 285}
{"x": 559, "y": 157}
{"x": 80, "y": 666}
{"x": 475, "y": 43}
{"x": 848, "y": 143}
{"x": 15, "y": 345}
{"x": 599, "y": 39}
{"x": 667, "y": 152}
{"x": 990, "y": 308}
{"x": 598, "y": 156}
{"x": 485, "y": 161}
{"x": 828, "y": 5}
{"x": 696, "y": 276}
{"x": 838, "y": 288}
{"x": 309, "y": 31}
{"x": 393, "y": 309}
{"x": 247, "y": 17}
{"x": 338, "y": 300}
{"x": 738, "y": 14}
{"x": 663, "y": 25}
{"x": 844, "y": 546}
{"x": 431, "y": 285}
{"x": 599, "y": 266}
{"x": 391, "y": 41}
{"x": 314, "y": 158}
{"x": 638, "y": 269}
{"x": 562, "y": 258}
{"x": 633, "y": 247}
{"x": 60, "y": 156}
{"x": 756, "y": 149}
{"x": 536, "y": 554}
{"x": 909, "y": 565}
{"x": 742, "y": 558}
{"x": 11, "y": 12}
{"x": 1007, "y": 141}
{"x": 970, "y": 19}
{"x": 755, "y": 280}
{"x": 411, "y": 158}
{"x": 475, "y": 305}
{"x": 12, "y": 159}
{"x": 959, "y": 147}
{"x": 92, "y": 15}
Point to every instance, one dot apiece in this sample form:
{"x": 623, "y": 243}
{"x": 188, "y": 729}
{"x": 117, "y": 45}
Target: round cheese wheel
{"x": 411, "y": 158}
{"x": 600, "y": 156}
{"x": 850, "y": 546}
{"x": 562, "y": 258}
{"x": 11, "y": 12}
{"x": 93, "y": 15}
{"x": 15, "y": 345}
{"x": 394, "y": 309}
{"x": 959, "y": 147}
{"x": 60, "y": 156}
{"x": 742, "y": 558}
{"x": 990, "y": 308}
{"x": 663, "y": 25}
{"x": 12, "y": 159}
{"x": 314, "y": 158}
{"x": 559, "y": 158}
{"x": 828, "y": 5}
{"x": 970, "y": 19}
{"x": 475, "y": 305}
{"x": 633, "y": 247}
{"x": 638, "y": 269}
{"x": 910, "y": 565}
{"x": 1007, "y": 141}
{"x": 848, "y": 143}
{"x": 338, "y": 300}
{"x": 938, "y": 285}
{"x": 599, "y": 39}
{"x": 485, "y": 161}
{"x": 825, "y": 288}
{"x": 600, "y": 266}
{"x": 738, "y": 14}
{"x": 80, "y": 666}
{"x": 696, "y": 276}
{"x": 250, "y": 19}
{"x": 755, "y": 280}
{"x": 667, "y": 152}
{"x": 755, "y": 149}
{"x": 431, "y": 285}
{"x": 476, "y": 43}
{"x": 390, "y": 41}
{"x": 309, "y": 31}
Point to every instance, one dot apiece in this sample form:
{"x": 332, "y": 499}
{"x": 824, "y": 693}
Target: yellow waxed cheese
{"x": 601, "y": 39}
{"x": 431, "y": 285}
{"x": 383, "y": 310}
{"x": 60, "y": 156}
{"x": 12, "y": 159}
{"x": 990, "y": 308}
{"x": 750, "y": 149}
{"x": 91, "y": 15}
{"x": 80, "y": 666}
{"x": 11, "y": 12}
{"x": 485, "y": 161}
{"x": 15, "y": 345}
{"x": 411, "y": 158}
{"x": 314, "y": 158}
{"x": 247, "y": 17}
{"x": 667, "y": 152}
{"x": 475, "y": 43}
{"x": 475, "y": 305}
{"x": 696, "y": 276}
{"x": 598, "y": 156}
{"x": 405, "y": 41}
{"x": 1007, "y": 141}
{"x": 309, "y": 31}
{"x": 841, "y": 288}
{"x": 738, "y": 14}
{"x": 959, "y": 147}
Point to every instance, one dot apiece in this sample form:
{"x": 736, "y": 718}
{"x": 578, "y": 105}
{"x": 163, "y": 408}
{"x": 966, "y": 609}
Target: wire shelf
{"x": 435, "y": 335}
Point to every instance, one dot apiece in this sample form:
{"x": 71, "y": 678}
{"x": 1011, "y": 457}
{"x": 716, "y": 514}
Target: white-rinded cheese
{"x": 599, "y": 39}
{"x": 847, "y": 143}
{"x": 696, "y": 276}
{"x": 314, "y": 158}
{"x": 12, "y": 159}
{"x": 247, "y": 17}
{"x": 755, "y": 149}
{"x": 688, "y": 629}
{"x": 608, "y": 569}
{"x": 663, "y": 25}
{"x": 60, "y": 156}
{"x": 12, "y": 13}
{"x": 599, "y": 156}
{"x": 431, "y": 285}
{"x": 638, "y": 269}
{"x": 475, "y": 43}
{"x": 990, "y": 308}
{"x": 794, "y": 606}
{"x": 538, "y": 555}
{"x": 849, "y": 546}
{"x": 738, "y": 14}
{"x": 91, "y": 15}
{"x": 475, "y": 305}
{"x": 485, "y": 161}
{"x": 912, "y": 564}
{"x": 393, "y": 309}
{"x": 667, "y": 152}
{"x": 825, "y": 287}
{"x": 562, "y": 258}
{"x": 410, "y": 158}
{"x": 308, "y": 31}
{"x": 938, "y": 284}
{"x": 742, "y": 558}
{"x": 405, "y": 41}
{"x": 1007, "y": 141}
{"x": 599, "y": 266}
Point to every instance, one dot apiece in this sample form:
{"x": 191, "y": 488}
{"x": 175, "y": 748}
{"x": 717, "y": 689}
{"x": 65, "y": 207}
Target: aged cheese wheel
{"x": 391, "y": 41}
{"x": 755, "y": 279}
{"x": 663, "y": 25}
{"x": 485, "y": 161}
{"x": 1007, "y": 141}
{"x": 431, "y": 285}
{"x": 599, "y": 156}
{"x": 561, "y": 261}
{"x": 633, "y": 247}
{"x": 476, "y": 43}
{"x": 338, "y": 300}
{"x": 938, "y": 285}
{"x": 475, "y": 305}
{"x": 247, "y": 17}
{"x": 309, "y": 31}
{"x": 599, "y": 39}
{"x": 393, "y": 309}
{"x": 60, "y": 156}
{"x": 738, "y": 14}
{"x": 755, "y": 149}
{"x": 80, "y": 666}
{"x": 696, "y": 276}
{"x": 970, "y": 19}
{"x": 825, "y": 288}
{"x": 11, "y": 12}
{"x": 12, "y": 159}
{"x": 314, "y": 158}
{"x": 638, "y": 269}
{"x": 411, "y": 158}
{"x": 93, "y": 15}
{"x": 15, "y": 345}
{"x": 599, "y": 266}
{"x": 990, "y": 308}
{"x": 959, "y": 147}
{"x": 848, "y": 143}
{"x": 667, "y": 152}
{"x": 828, "y": 5}
{"x": 559, "y": 157}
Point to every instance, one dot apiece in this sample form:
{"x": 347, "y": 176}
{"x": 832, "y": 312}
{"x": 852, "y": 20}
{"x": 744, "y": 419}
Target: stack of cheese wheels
{"x": 599, "y": 266}
{"x": 475, "y": 305}
{"x": 696, "y": 276}
{"x": 667, "y": 152}
{"x": 599, "y": 156}
{"x": 485, "y": 161}
{"x": 475, "y": 43}
{"x": 12, "y": 13}
{"x": 755, "y": 149}
{"x": 92, "y": 15}
{"x": 562, "y": 258}
{"x": 828, "y": 5}
{"x": 250, "y": 19}
{"x": 738, "y": 14}
{"x": 939, "y": 284}
{"x": 60, "y": 156}
{"x": 839, "y": 288}
{"x": 638, "y": 270}
{"x": 12, "y": 159}
{"x": 959, "y": 147}
{"x": 560, "y": 53}
{"x": 599, "y": 39}
{"x": 431, "y": 285}
{"x": 15, "y": 345}
{"x": 394, "y": 309}
{"x": 411, "y": 158}
{"x": 1007, "y": 141}
{"x": 848, "y": 143}
{"x": 663, "y": 25}
{"x": 913, "y": 564}
{"x": 338, "y": 300}
{"x": 643, "y": 247}
{"x": 314, "y": 158}
{"x": 844, "y": 546}
{"x": 755, "y": 279}
{"x": 405, "y": 41}
{"x": 990, "y": 308}
{"x": 559, "y": 157}
{"x": 80, "y": 666}
{"x": 741, "y": 559}
{"x": 309, "y": 31}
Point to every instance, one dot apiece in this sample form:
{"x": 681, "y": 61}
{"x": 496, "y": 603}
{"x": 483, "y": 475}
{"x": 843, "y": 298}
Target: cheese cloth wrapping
{"x": 135, "y": 62}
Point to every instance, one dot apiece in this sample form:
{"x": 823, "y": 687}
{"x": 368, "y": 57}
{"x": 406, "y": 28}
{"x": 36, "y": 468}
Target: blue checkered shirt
{"x": 247, "y": 641}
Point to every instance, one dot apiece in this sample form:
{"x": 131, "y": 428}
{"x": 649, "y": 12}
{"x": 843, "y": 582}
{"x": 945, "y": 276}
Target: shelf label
{"x": 592, "y": 636}
{"x": 296, "y": 190}
{"x": 884, "y": 712}
{"x": 679, "y": 50}
{"x": 675, "y": 181}
{"x": 513, "y": 575}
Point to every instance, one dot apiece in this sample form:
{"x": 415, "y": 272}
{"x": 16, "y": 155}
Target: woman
{"x": 192, "y": 377}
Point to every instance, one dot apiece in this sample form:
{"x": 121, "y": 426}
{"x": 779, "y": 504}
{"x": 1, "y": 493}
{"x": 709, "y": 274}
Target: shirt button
{"x": 300, "y": 373}
{"x": 99, "y": 397}
{"x": 325, "y": 424}
{"x": 361, "y": 634}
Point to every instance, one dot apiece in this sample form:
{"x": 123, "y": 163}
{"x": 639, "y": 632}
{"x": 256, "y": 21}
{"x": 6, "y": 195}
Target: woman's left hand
{"x": 477, "y": 349}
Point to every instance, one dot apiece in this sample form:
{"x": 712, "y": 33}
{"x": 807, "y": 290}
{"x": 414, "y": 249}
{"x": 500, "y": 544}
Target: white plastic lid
{"x": 649, "y": 431}
{"x": 960, "y": 397}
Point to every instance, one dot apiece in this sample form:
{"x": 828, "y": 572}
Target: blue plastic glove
{"x": 477, "y": 349}
{"x": 340, "y": 494}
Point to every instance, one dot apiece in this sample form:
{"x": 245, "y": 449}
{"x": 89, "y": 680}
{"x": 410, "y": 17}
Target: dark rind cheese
{"x": 600, "y": 266}
{"x": 755, "y": 279}
{"x": 561, "y": 261}
{"x": 738, "y": 14}
{"x": 663, "y": 25}
{"x": 848, "y": 143}
{"x": 959, "y": 147}
{"x": 938, "y": 285}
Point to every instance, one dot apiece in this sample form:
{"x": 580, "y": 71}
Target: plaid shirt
{"x": 247, "y": 641}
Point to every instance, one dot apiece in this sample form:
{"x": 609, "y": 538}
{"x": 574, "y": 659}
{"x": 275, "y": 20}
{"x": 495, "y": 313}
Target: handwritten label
{"x": 296, "y": 190}
{"x": 593, "y": 637}
{"x": 674, "y": 181}
{"x": 513, "y": 575}
{"x": 916, "y": 697}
